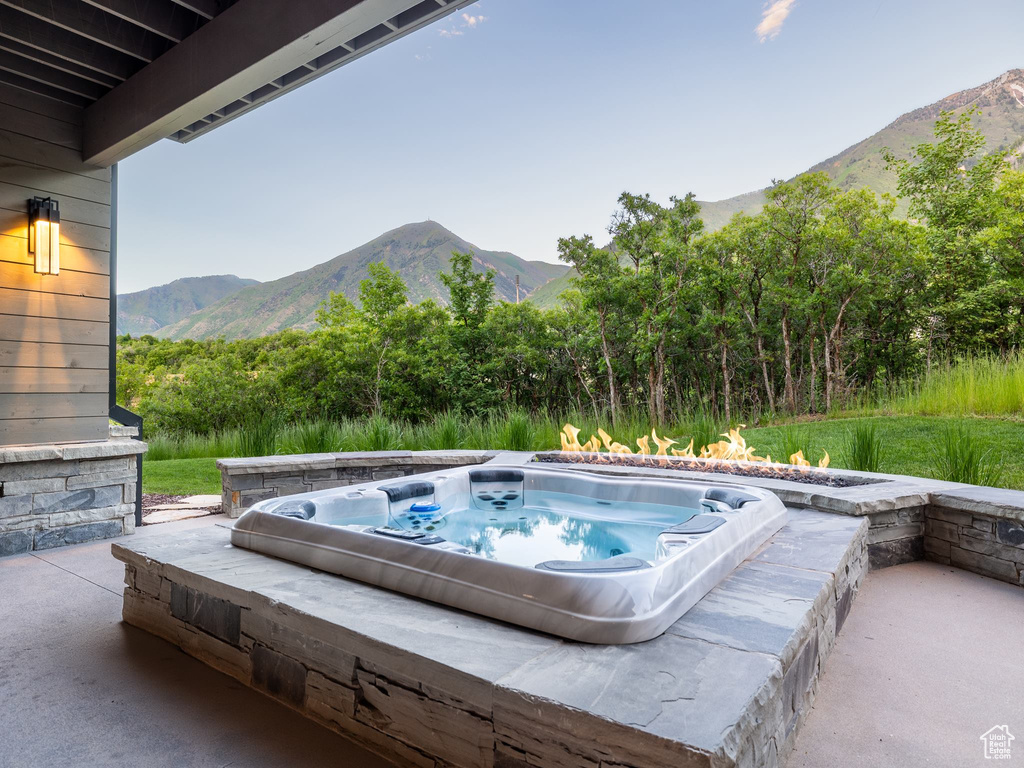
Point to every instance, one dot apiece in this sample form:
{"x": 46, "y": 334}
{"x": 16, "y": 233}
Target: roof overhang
{"x": 144, "y": 70}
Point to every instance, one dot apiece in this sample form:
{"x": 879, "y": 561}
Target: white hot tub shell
{"x": 361, "y": 532}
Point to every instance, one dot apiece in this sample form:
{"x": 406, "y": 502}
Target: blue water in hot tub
{"x": 549, "y": 526}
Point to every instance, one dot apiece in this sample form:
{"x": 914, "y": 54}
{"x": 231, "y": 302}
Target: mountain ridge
{"x": 151, "y": 309}
{"x": 417, "y": 251}
{"x": 861, "y": 164}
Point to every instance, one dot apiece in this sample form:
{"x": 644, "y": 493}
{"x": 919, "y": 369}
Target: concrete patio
{"x": 80, "y": 688}
{"x": 928, "y": 660}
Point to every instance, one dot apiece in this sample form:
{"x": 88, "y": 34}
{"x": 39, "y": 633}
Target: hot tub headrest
{"x": 697, "y": 524}
{"x": 303, "y": 510}
{"x": 734, "y": 499}
{"x": 496, "y": 475}
{"x": 611, "y": 565}
{"x": 407, "y": 490}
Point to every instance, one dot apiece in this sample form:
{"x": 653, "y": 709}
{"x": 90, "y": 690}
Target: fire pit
{"x": 796, "y": 474}
{"x": 731, "y": 456}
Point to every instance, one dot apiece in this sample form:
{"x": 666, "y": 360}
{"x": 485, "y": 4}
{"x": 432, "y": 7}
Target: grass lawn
{"x": 909, "y": 445}
{"x": 909, "y": 442}
{"x": 181, "y": 477}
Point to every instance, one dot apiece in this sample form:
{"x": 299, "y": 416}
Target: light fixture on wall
{"x": 44, "y": 234}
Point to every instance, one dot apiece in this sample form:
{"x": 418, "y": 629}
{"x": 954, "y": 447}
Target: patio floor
{"x": 80, "y": 688}
{"x": 929, "y": 659}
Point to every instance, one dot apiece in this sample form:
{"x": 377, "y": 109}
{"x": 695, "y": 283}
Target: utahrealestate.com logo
{"x": 997, "y": 740}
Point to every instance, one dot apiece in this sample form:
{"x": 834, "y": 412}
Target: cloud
{"x": 772, "y": 18}
{"x": 468, "y": 22}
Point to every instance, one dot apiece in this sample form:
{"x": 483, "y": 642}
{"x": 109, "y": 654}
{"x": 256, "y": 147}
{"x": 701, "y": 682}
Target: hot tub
{"x": 568, "y": 552}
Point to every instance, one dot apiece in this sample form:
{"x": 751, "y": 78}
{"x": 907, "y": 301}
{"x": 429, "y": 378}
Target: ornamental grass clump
{"x": 961, "y": 457}
{"x": 864, "y": 448}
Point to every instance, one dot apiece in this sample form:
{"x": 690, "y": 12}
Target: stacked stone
{"x": 247, "y": 481}
{"x": 976, "y": 542}
{"x": 896, "y": 536}
{"x": 66, "y": 494}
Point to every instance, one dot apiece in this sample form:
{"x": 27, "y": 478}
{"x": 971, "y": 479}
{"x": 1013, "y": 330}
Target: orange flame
{"x": 734, "y": 448}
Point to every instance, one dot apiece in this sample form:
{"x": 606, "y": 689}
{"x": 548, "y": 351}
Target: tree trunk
{"x": 613, "y": 395}
{"x": 652, "y": 391}
{"x": 787, "y": 360}
{"x": 812, "y": 395}
{"x": 768, "y": 388}
{"x": 659, "y": 384}
{"x": 725, "y": 382}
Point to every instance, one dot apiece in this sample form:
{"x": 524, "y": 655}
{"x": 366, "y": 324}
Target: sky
{"x": 516, "y": 122}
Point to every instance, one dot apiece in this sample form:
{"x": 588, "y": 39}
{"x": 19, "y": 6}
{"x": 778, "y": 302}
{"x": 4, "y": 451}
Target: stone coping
{"x": 995, "y": 502}
{"x": 727, "y": 685}
{"x": 876, "y": 493}
{"x": 118, "y": 445}
{"x": 886, "y": 493}
{"x": 314, "y": 461}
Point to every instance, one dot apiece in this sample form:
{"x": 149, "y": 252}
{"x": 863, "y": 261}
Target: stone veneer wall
{"x": 975, "y": 542}
{"x": 896, "y": 536}
{"x": 52, "y": 495}
{"x": 988, "y": 544}
{"x": 247, "y": 481}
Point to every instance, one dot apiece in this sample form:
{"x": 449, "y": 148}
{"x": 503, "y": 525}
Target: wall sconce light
{"x": 44, "y": 234}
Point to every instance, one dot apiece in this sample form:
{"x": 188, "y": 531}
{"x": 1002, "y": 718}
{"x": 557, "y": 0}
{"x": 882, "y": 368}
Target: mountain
{"x": 150, "y": 310}
{"x": 1001, "y": 102}
{"x": 418, "y": 252}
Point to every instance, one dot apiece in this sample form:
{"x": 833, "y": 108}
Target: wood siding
{"x": 53, "y": 329}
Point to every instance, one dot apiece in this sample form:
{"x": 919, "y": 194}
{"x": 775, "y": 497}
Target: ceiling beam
{"x": 161, "y": 18}
{"x": 250, "y": 44}
{"x": 95, "y": 25}
{"x": 33, "y": 70}
{"x": 205, "y": 8}
{"x": 26, "y": 84}
{"x": 44, "y": 57}
{"x": 58, "y": 42}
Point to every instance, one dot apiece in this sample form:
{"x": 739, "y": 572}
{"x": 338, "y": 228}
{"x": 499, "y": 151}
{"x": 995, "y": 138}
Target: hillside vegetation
{"x": 418, "y": 252}
{"x": 154, "y": 308}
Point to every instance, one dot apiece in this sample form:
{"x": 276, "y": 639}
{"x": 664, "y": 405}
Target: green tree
{"x": 951, "y": 186}
{"x": 602, "y": 292}
{"x": 382, "y": 293}
{"x": 793, "y": 214}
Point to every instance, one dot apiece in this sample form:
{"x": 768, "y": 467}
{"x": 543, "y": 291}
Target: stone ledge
{"x": 71, "y": 451}
{"x": 53, "y": 495}
{"x": 728, "y": 685}
{"x": 245, "y": 482}
{"x": 994, "y": 502}
{"x": 302, "y": 462}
